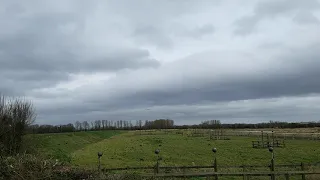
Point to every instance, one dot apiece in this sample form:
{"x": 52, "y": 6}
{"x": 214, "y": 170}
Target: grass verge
{"x": 61, "y": 146}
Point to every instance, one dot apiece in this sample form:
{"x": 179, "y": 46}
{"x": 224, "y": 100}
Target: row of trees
{"x": 271, "y": 124}
{"x": 39, "y": 129}
{"x": 211, "y": 124}
{"x": 103, "y": 125}
{"x": 159, "y": 124}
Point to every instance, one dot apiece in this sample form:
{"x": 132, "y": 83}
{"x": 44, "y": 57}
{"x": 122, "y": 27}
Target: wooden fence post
{"x": 272, "y": 169}
{"x": 286, "y": 176}
{"x": 157, "y": 151}
{"x": 244, "y": 177}
{"x": 272, "y": 139}
{"x": 215, "y": 168}
{"x": 303, "y": 177}
{"x": 157, "y": 167}
{"x": 99, "y": 161}
{"x": 99, "y": 165}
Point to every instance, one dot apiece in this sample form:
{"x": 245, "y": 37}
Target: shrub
{"x": 15, "y": 115}
{"x": 31, "y": 167}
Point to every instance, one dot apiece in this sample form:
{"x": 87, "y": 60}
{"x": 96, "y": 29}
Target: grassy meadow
{"x": 62, "y": 145}
{"x": 131, "y": 149}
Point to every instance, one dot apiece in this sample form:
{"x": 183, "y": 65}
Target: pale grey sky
{"x": 188, "y": 60}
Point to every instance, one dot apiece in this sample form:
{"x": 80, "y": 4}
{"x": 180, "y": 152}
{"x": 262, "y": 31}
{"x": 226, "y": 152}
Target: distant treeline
{"x": 103, "y": 125}
{"x": 270, "y": 124}
{"x": 159, "y": 124}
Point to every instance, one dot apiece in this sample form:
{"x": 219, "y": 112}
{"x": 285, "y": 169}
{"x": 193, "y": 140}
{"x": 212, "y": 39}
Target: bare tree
{"x": 16, "y": 114}
{"x": 107, "y": 124}
{"x": 99, "y": 124}
{"x": 103, "y": 122}
{"x": 85, "y": 125}
{"x": 77, "y": 125}
{"x": 140, "y": 124}
{"x": 92, "y": 125}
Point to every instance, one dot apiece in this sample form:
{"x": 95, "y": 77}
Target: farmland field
{"x": 132, "y": 149}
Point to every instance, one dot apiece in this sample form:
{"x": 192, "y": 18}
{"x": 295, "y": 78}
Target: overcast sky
{"x": 187, "y": 60}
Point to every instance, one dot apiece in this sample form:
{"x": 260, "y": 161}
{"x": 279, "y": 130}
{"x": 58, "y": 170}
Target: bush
{"x": 31, "y": 167}
{"x": 15, "y": 115}
{"x": 25, "y": 167}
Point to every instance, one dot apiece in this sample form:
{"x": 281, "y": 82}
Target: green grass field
{"x": 127, "y": 150}
{"x": 121, "y": 149}
{"x": 62, "y": 145}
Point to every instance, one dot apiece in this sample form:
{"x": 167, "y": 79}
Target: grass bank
{"x": 61, "y": 145}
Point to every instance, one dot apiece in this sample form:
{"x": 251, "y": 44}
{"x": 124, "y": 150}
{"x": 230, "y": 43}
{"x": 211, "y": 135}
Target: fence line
{"x": 272, "y": 173}
{"x": 208, "y": 174}
{"x": 226, "y": 133}
{"x": 211, "y": 166}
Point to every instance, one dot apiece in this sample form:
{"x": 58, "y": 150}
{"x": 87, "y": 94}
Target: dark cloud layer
{"x": 294, "y": 73}
{"x": 39, "y": 54}
{"x": 272, "y": 9}
{"x": 162, "y": 59}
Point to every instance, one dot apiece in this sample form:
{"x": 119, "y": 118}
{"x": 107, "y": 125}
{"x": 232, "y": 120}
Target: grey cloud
{"x": 271, "y": 45}
{"x": 153, "y": 36}
{"x": 39, "y": 54}
{"x": 293, "y": 73}
{"x": 306, "y": 18}
{"x": 20, "y": 82}
{"x": 273, "y": 9}
{"x": 42, "y": 48}
{"x": 155, "y": 22}
{"x": 158, "y": 11}
{"x": 199, "y": 32}
{"x": 277, "y": 7}
{"x": 163, "y": 38}
{"x": 246, "y": 25}
{"x": 258, "y": 110}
